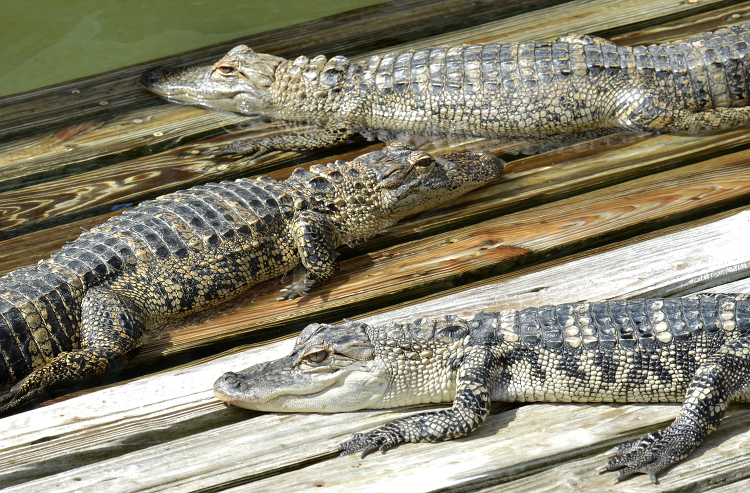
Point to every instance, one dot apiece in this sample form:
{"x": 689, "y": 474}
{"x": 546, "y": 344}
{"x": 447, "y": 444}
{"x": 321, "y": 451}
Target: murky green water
{"x": 44, "y": 42}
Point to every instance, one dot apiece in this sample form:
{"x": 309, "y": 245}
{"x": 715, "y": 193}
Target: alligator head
{"x": 414, "y": 181}
{"x": 238, "y": 82}
{"x": 331, "y": 369}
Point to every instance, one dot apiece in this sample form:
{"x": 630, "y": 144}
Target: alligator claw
{"x": 290, "y": 293}
{"x": 383, "y": 439}
{"x": 650, "y": 455}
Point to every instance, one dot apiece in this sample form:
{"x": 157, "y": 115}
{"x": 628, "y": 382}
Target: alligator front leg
{"x": 112, "y": 326}
{"x": 470, "y": 408}
{"x": 315, "y": 238}
{"x": 333, "y": 134}
{"x": 723, "y": 376}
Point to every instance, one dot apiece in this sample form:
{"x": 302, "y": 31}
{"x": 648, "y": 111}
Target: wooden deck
{"x": 617, "y": 217}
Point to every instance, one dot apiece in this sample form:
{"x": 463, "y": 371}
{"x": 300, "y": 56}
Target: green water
{"x": 45, "y": 42}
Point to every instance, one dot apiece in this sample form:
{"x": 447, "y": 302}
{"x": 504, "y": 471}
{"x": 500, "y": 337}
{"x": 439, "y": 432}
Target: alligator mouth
{"x": 232, "y": 389}
{"x": 181, "y": 85}
{"x": 273, "y": 400}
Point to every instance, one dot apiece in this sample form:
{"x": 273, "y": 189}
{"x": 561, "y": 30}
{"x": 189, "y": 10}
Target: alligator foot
{"x": 252, "y": 148}
{"x": 650, "y": 455}
{"x": 292, "y": 292}
{"x": 239, "y": 148}
{"x": 383, "y": 439}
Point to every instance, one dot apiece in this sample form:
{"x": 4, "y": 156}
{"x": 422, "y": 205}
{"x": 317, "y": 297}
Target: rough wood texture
{"x": 173, "y": 416}
{"x": 619, "y": 216}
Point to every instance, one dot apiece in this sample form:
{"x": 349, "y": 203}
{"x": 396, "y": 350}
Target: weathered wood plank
{"x": 652, "y": 265}
{"x": 114, "y": 429}
{"x": 721, "y": 459}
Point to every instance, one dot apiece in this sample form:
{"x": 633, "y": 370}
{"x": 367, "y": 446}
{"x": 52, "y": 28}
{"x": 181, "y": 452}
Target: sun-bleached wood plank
{"x": 654, "y": 264}
{"x": 721, "y": 459}
{"x": 40, "y": 441}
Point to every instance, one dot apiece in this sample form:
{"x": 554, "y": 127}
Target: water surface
{"x": 45, "y": 42}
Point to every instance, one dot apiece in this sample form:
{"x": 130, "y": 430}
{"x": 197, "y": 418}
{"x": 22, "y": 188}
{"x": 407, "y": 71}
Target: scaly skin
{"x": 693, "y": 350}
{"x": 576, "y": 85}
{"x": 90, "y": 305}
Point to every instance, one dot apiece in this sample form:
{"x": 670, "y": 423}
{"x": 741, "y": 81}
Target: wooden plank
{"x": 526, "y": 182}
{"x": 721, "y": 459}
{"x": 654, "y": 267}
{"x": 523, "y": 441}
{"x": 104, "y": 437}
{"x": 145, "y": 129}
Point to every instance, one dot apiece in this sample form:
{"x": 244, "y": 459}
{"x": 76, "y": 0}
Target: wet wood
{"x": 118, "y": 103}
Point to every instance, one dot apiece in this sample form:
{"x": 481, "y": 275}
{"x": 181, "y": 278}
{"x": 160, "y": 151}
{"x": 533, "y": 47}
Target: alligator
{"x": 576, "y": 84}
{"x": 694, "y": 350}
{"x": 89, "y": 306}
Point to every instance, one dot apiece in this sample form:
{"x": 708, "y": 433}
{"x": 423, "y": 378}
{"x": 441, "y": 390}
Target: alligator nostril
{"x": 152, "y": 75}
{"x": 231, "y": 380}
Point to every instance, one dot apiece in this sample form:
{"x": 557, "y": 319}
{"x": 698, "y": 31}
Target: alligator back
{"x": 637, "y": 350}
{"x": 172, "y": 250}
{"x": 83, "y": 310}
{"x": 543, "y": 88}
{"x": 577, "y": 85}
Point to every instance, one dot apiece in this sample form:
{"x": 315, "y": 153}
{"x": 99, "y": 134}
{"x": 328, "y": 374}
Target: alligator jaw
{"x": 343, "y": 391}
{"x": 239, "y": 82}
{"x": 331, "y": 369}
{"x": 179, "y": 85}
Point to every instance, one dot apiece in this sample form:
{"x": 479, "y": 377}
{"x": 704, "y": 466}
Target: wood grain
{"x": 619, "y": 216}
{"x": 136, "y": 426}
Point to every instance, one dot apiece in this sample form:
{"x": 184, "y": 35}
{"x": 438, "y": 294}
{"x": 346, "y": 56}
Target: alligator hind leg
{"x": 716, "y": 119}
{"x": 724, "y": 375}
{"x": 647, "y": 108}
{"x": 470, "y": 408}
{"x": 112, "y": 326}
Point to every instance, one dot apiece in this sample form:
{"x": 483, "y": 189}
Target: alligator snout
{"x": 228, "y": 381}
{"x": 152, "y": 76}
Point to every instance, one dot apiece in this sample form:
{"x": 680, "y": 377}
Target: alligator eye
{"x": 317, "y": 356}
{"x": 226, "y": 70}
{"x": 421, "y": 159}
